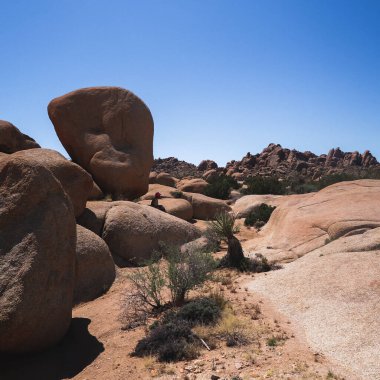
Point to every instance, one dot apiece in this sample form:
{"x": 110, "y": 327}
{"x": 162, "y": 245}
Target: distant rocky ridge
{"x": 275, "y": 160}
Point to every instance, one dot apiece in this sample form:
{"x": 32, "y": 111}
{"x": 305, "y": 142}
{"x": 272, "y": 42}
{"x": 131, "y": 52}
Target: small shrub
{"x": 148, "y": 284}
{"x": 168, "y": 342}
{"x": 200, "y": 311}
{"x": 177, "y": 194}
{"x": 264, "y": 185}
{"x": 187, "y": 271}
{"x": 272, "y": 342}
{"x": 220, "y": 187}
{"x": 262, "y": 214}
{"x": 236, "y": 339}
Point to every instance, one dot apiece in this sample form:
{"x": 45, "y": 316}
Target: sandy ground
{"x": 96, "y": 346}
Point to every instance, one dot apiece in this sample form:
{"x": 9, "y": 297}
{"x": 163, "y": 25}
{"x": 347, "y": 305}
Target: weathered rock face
{"x": 95, "y": 269}
{"x": 76, "y": 182}
{"x": 134, "y": 231}
{"x": 12, "y": 140}
{"x": 302, "y": 223}
{"x": 109, "y": 132}
{"x": 37, "y": 257}
{"x": 177, "y": 207}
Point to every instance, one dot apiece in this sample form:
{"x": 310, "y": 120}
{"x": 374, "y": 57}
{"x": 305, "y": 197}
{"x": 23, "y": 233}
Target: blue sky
{"x": 221, "y": 78}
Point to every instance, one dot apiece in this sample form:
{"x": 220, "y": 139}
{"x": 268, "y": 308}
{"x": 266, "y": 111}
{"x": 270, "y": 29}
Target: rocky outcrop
{"x": 175, "y": 167}
{"x": 277, "y": 161}
{"x": 303, "y": 223}
{"x": 133, "y": 231}
{"x": 109, "y": 132}
{"x": 76, "y": 182}
{"x": 206, "y": 165}
{"x": 37, "y": 256}
{"x": 12, "y": 140}
{"x": 284, "y": 163}
{"x": 94, "y": 269}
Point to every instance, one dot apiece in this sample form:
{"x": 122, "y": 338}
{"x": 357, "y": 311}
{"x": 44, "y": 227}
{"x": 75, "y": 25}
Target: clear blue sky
{"x": 221, "y": 77}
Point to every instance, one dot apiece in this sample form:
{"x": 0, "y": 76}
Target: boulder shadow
{"x": 69, "y": 357}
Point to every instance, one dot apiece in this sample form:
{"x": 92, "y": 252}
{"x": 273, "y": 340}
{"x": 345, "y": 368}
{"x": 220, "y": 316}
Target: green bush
{"x": 168, "y": 342}
{"x": 262, "y": 214}
{"x": 200, "y": 311}
{"x": 187, "y": 271}
{"x": 264, "y": 185}
{"x": 220, "y": 187}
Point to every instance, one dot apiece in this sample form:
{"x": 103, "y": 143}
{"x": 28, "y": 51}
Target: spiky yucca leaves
{"x": 224, "y": 226}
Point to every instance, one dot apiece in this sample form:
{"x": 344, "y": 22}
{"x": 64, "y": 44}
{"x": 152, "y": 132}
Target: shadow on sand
{"x": 68, "y": 358}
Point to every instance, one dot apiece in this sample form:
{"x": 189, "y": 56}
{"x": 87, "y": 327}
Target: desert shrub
{"x": 330, "y": 179}
{"x": 213, "y": 239}
{"x": 168, "y": 342}
{"x": 262, "y": 214}
{"x": 264, "y": 185}
{"x": 177, "y": 194}
{"x": 187, "y": 271}
{"x": 148, "y": 284}
{"x": 220, "y": 187}
{"x": 200, "y": 311}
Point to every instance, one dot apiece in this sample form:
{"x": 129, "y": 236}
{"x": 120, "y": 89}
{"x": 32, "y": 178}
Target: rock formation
{"x": 12, "y": 140}
{"x": 37, "y": 257}
{"x": 109, "y": 132}
{"x": 76, "y": 182}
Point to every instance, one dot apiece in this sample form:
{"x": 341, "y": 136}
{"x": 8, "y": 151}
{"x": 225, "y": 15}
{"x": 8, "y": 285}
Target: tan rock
{"x": 204, "y": 207}
{"x": 177, "y": 207}
{"x": 37, "y": 257}
{"x": 95, "y": 269}
{"x": 195, "y": 185}
{"x": 12, "y": 140}
{"x": 302, "y": 223}
{"x": 248, "y": 203}
{"x": 166, "y": 180}
{"x": 109, "y": 132}
{"x": 134, "y": 231}
{"x": 333, "y": 295}
{"x": 152, "y": 177}
{"x": 75, "y": 181}
{"x": 165, "y": 191}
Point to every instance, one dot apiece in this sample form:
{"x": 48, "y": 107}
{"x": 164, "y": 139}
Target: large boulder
{"x": 333, "y": 294}
{"x": 109, "y": 132}
{"x": 134, "y": 231}
{"x": 195, "y": 185}
{"x": 94, "y": 215}
{"x": 12, "y": 140}
{"x": 37, "y": 257}
{"x": 181, "y": 208}
{"x": 206, "y": 208}
{"x": 95, "y": 269}
{"x": 75, "y": 181}
{"x": 166, "y": 179}
{"x": 302, "y": 223}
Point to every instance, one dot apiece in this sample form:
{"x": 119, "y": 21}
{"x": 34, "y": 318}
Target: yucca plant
{"x": 224, "y": 226}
